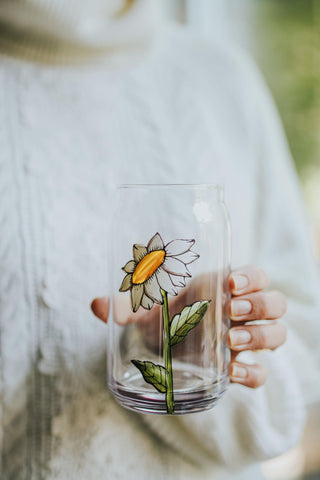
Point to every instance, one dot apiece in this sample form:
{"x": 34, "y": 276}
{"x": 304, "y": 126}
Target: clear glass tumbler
{"x": 167, "y": 335}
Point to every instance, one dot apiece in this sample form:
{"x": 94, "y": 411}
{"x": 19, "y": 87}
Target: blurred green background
{"x": 284, "y": 38}
{"x": 287, "y": 48}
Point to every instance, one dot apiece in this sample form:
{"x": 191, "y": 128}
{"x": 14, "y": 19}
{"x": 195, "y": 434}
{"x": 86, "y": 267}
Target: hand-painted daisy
{"x": 155, "y": 267}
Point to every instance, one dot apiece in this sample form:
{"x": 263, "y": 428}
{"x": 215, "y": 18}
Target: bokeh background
{"x": 284, "y": 38}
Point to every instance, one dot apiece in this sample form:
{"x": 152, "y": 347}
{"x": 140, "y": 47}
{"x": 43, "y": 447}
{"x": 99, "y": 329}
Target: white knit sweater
{"x": 189, "y": 112}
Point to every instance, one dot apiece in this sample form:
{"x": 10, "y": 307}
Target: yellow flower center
{"x": 147, "y": 266}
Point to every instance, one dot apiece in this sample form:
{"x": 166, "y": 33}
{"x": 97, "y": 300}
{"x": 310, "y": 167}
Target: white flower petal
{"x": 187, "y": 257}
{"x": 139, "y": 251}
{"x": 156, "y": 243}
{"x": 129, "y": 266}
{"x": 152, "y": 289}
{"x": 136, "y": 296}
{"x": 175, "y": 267}
{"x": 178, "y": 281}
{"x": 146, "y": 302}
{"x": 177, "y": 247}
{"x": 126, "y": 283}
{"x": 165, "y": 282}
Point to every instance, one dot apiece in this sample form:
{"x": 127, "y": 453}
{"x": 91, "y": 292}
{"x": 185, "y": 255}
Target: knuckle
{"x": 261, "y": 339}
{"x": 262, "y": 278}
{"x": 283, "y": 333}
{"x": 262, "y": 273}
{"x": 262, "y": 305}
{"x": 258, "y": 376}
{"x": 279, "y": 335}
{"x": 279, "y": 299}
{"x": 95, "y": 307}
{"x": 258, "y": 278}
{"x": 255, "y": 382}
{"x": 283, "y": 302}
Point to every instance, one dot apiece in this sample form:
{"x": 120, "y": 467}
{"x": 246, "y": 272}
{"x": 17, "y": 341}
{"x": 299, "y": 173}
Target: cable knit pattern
{"x": 15, "y": 314}
{"x": 188, "y": 113}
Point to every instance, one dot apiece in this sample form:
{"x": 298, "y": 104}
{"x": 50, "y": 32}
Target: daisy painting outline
{"x": 157, "y": 266}
{"x": 155, "y": 271}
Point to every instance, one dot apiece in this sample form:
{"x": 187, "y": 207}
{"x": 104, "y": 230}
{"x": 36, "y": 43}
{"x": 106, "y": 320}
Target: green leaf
{"x": 154, "y": 374}
{"x": 185, "y": 321}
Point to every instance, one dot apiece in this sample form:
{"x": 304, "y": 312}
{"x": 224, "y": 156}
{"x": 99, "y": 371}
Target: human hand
{"x": 246, "y": 284}
{"x": 249, "y": 303}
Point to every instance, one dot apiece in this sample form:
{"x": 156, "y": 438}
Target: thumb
{"x": 100, "y": 307}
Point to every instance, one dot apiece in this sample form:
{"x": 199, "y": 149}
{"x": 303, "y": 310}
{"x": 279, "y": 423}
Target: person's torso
{"x": 66, "y": 138}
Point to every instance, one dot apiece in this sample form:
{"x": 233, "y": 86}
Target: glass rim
{"x": 209, "y": 186}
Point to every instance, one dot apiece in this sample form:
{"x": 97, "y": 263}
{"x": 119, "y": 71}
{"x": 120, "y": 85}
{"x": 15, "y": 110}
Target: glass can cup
{"x": 169, "y": 266}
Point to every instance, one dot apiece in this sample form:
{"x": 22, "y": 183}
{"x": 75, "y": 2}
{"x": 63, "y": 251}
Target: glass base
{"x": 192, "y": 393}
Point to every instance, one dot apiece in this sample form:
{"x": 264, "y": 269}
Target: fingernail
{"x": 237, "y": 371}
{"x": 240, "y": 282}
{"x": 240, "y": 307}
{"x": 239, "y": 337}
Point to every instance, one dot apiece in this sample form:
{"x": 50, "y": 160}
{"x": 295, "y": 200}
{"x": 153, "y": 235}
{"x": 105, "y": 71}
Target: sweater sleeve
{"x": 248, "y": 425}
{"x": 283, "y": 246}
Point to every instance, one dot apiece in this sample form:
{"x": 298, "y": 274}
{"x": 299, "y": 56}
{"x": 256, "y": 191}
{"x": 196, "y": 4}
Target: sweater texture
{"x": 187, "y": 112}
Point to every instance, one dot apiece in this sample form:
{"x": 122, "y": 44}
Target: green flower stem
{"x": 167, "y": 353}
